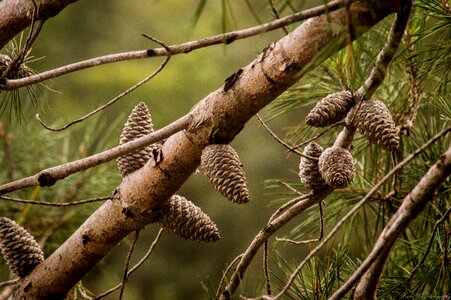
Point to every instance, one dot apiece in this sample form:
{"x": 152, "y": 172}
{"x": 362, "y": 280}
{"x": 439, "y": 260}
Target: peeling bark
{"x": 217, "y": 118}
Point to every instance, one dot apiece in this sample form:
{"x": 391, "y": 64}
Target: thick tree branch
{"x": 16, "y": 15}
{"x": 411, "y": 207}
{"x": 142, "y": 196}
{"x": 227, "y": 38}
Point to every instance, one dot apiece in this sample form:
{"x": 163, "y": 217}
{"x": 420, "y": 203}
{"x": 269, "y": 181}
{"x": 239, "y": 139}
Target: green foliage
{"x": 416, "y": 91}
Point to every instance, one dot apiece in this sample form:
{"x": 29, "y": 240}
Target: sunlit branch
{"x": 226, "y": 38}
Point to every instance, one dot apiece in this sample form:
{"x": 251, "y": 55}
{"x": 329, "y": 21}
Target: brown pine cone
{"x": 223, "y": 168}
{"x": 308, "y": 169}
{"x": 336, "y": 167}
{"x": 20, "y": 250}
{"x": 188, "y": 221}
{"x": 330, "y": 109}
{"x": 139, "y": 124}
{"x": 375, "y": 122}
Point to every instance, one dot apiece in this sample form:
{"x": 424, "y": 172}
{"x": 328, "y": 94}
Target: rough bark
{"x": 16, "y": 15}
{"x": 410, "y": 208}
{"x": 216, "y": 119}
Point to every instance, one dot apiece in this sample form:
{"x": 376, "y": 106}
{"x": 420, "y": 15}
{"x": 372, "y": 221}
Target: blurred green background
{"x": 178, "y": 269}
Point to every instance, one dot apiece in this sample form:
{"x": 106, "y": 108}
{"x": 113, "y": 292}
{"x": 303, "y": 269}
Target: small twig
{"x": 9, "y": 282}
{"x": 175, "y": 49}
{"x": 58, "y": 204}
{"x": 434, "y": 230}
{"x": 287, "y": 205}
{"x": 280, "y": 141}
{"x": 290, "y": 188}
{"x": 224, "y": 274}
{"x": 127, "y": 263}
{"x": 276, "y": 14}
{"x": 112, "y": 101}
{"x": 318, "y": 239}
{"x": 32, "y": 35}
{"x": 324, "y": 131}
{"x": 135, "y": 267}
{"x": 266, "y": 268}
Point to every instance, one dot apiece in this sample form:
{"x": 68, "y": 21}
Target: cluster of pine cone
{"x": 334, "y": 166}
{"x": 220, "y": 163}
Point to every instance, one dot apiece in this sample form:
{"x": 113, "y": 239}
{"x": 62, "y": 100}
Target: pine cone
{"x": 375, "y": 122}
{"x": 308, "y": 169}
{"x": 138, "y": 124}
{"x": 188, "y": 221}
{"x": 223, "y": 168}
{"x": 330, "y": 109}
{"x": 336, "y": 167}
{"x": 19, "y": 248}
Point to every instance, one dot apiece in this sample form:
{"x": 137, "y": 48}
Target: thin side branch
{"x": 280, "y": 141}
{"x": 109, "y": 103}
{"x": 135, "y": 267}
{"x": 57, "y": 204}
{"x": 187, "y": 47}
{"x": 321, "y": 231}
{"x": 127, "y": 263}
{"x": 48, "y": 177}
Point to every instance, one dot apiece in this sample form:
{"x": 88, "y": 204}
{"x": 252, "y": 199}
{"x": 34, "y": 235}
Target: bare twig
{"x": 224, "y": 275}
{"x": 135, "y": 267}
{"x": 58, "y": 204}
{"x": 272, "y": 226}
{"x": 112, "y": 101}
{"x": 324, "y": 131}
{"x": 356, "y": 208}
{"x": 266, "y": 268}
{"x": 276, "y": 14}
{"x": 280, "y": 141}
{"x": 285, "y": 206}
{"x": 321, "y": 231}
{"x": 290, "y": 188}
{"x": 127, "y": 262}
{"x": 410, "y": 208}
{"x": 51, "y": 175}
{"x": 174, "y": 49}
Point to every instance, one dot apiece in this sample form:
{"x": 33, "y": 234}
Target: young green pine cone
{"x": 188, "y": 221}
{"x": 139, "y": 123}
{"x": 336, "y": 167}
{"x": 223, "y": 168}
{"x": 375, "y": 122}
{"x": 308, "y": 169}
{"x": 20, "y": 250}
{"x": 330, "y": 109}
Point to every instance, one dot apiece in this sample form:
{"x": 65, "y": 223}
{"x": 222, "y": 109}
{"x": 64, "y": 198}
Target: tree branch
{"x": 16, "y": 15}
{"x": 142, "y": 196}
{"x": 187, "y": 47}
{"x": 411, "y": 207}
